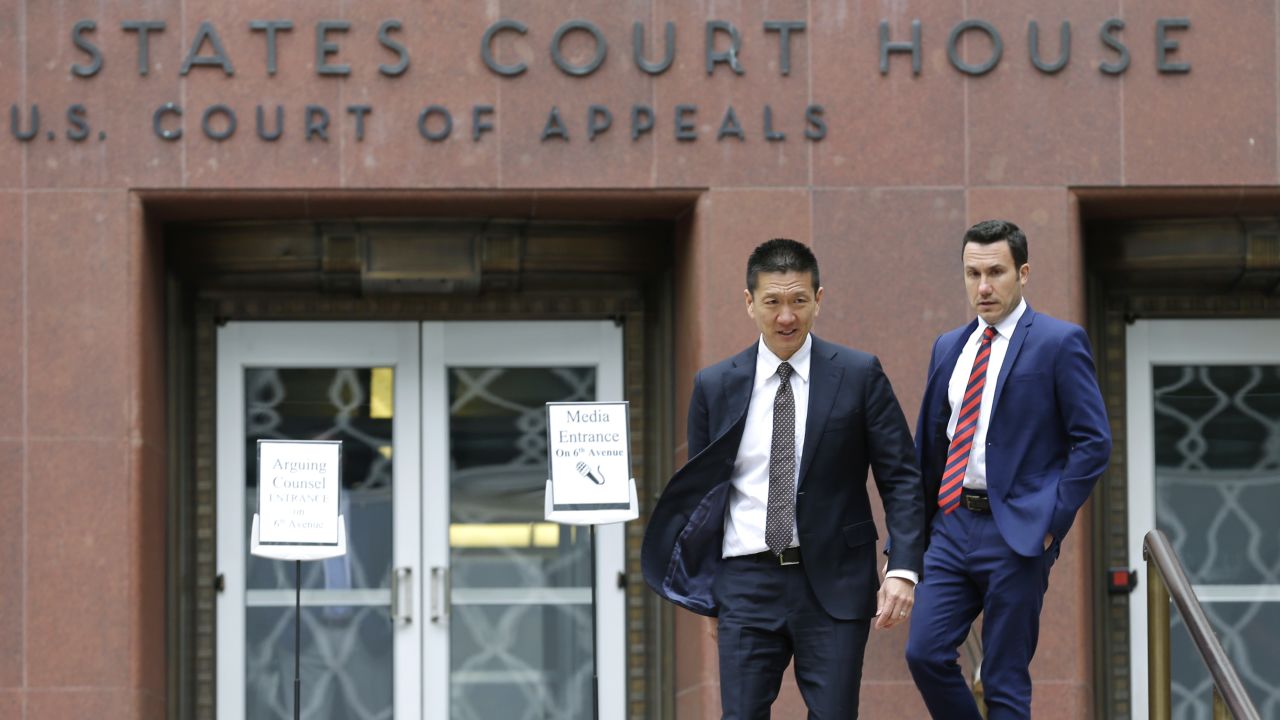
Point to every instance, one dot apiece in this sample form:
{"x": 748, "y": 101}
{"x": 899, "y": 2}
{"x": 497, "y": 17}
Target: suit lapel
{"x": 937, "y": 408}
{"x": 738, "y": 383}
{"x": 824, "y": 382}
{"x": 941, "y": 378}
{"x": 1015, "y": 345}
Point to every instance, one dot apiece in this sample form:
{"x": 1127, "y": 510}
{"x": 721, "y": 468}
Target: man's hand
{"x": 713, "y": 629}
{"x": 894, "y": 602}
{"x": 1048, "y": 540}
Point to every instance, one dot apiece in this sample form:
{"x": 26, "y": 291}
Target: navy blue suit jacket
{"x": 853, "y": 422}
{"x": 1048, "y": 439}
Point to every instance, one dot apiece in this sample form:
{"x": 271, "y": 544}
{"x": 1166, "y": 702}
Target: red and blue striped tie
{"x": 966, "y": 426}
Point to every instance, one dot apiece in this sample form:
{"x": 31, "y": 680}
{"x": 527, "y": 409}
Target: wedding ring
{"x": 902, "y": 613}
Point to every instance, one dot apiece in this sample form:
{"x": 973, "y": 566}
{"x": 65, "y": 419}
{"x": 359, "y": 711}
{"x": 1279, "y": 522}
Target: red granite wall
{"x": 907, "y": 162}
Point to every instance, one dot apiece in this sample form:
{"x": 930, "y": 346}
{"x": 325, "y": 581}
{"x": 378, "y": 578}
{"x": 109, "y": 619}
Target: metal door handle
{"x": 439, "y": 594}
{"x": 402, "y": 595}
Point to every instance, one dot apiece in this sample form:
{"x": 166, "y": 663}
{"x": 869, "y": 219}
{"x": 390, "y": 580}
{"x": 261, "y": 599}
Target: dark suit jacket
{"x": 1047, "y": 441}
{"x": 853, "y": 422}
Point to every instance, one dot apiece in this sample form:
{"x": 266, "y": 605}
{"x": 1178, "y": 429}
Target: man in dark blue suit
{"x": 768, "y": 526}
{"x": 1012, "y": 437}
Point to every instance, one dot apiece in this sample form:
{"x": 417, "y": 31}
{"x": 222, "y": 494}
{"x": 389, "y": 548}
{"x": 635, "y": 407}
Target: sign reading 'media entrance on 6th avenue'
{"x": 299, "y": 484}
{"x": 588, "y": 455}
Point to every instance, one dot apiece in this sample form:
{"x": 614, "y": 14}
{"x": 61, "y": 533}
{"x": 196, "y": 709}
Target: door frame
{"x": 420, "y": 351}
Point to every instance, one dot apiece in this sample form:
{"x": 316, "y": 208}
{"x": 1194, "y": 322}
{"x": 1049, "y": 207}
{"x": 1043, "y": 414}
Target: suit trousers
{"x": 969, "y": 568}
{"x": 768, "y": 614}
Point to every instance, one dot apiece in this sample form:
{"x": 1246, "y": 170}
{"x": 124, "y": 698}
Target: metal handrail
{"x": 1166, "y": 578}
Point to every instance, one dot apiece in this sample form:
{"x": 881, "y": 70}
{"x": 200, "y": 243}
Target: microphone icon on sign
{"x": 585, "y": 471}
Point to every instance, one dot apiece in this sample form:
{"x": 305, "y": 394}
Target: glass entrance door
{"x": 455, "y": 600}
{"x": 355, "y": 382}
{"x": 1204, "y": 467}
{"x": 514, "y": 635}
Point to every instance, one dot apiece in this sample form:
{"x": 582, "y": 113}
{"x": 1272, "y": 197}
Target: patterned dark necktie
{"x": 967, "y": 424}
{"x": 781, "y": 512}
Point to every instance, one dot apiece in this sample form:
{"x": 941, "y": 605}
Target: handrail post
{"x": 1160, "y": 683}
{"x": 1220, "y": 710}
{"x": 973, "y": 651}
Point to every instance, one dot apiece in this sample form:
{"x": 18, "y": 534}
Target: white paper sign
{"x": 299, "y": 484}
{"x": 588, "y": 455}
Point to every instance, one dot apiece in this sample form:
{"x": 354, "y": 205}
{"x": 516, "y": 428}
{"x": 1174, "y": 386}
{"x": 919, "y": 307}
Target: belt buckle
{"x": 976, "y": 503}
{"x": 782, "y": 558}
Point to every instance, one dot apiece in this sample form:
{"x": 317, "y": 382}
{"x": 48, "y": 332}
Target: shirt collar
{"x": 767, "y": 363}
{"x": 1005, "y": 327}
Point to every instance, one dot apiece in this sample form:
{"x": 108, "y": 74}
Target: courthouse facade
{"x": 407, "y": 225}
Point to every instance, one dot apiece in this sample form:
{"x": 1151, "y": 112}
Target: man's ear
{"x": 817, "y": 301}
{"x": 1024, "y": 273}
{"x": 750, "y": 309}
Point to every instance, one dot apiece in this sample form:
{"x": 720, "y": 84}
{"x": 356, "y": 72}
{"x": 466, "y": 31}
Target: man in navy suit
{"x": 1012, "y": 437}
{"x": 768, "y": 526}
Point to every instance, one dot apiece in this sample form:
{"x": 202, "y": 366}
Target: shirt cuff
{"x": 908, "y": 575}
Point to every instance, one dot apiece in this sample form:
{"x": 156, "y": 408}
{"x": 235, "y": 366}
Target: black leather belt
{"x": 975, "y": 501}
{"x": 790, "y": 556}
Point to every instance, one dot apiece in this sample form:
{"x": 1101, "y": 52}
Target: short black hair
{"x": 781, "y": 255}
{"x": 993, "y": 231}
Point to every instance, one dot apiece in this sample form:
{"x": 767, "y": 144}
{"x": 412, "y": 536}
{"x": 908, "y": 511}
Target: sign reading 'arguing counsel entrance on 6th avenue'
{"x": 299, "y": 484}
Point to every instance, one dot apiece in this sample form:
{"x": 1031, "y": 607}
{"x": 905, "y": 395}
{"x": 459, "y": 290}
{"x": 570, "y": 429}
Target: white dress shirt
{"x": 975, "y": 476}
{"x": 749, "y": 494}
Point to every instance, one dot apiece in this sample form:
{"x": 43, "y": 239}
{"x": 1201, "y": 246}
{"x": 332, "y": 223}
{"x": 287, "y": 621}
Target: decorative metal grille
{"x": 1217, "y": 492}
{"x": 522, "y": 646}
